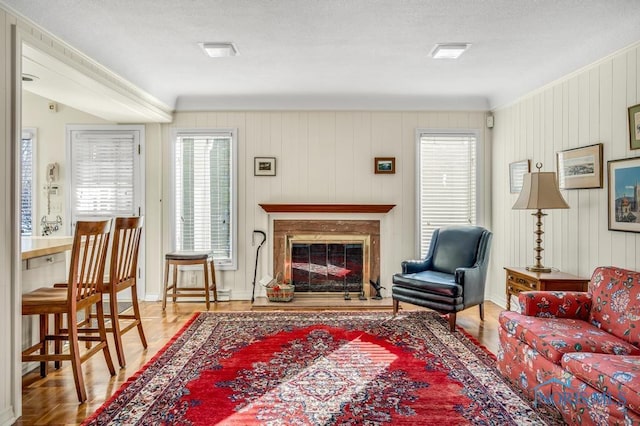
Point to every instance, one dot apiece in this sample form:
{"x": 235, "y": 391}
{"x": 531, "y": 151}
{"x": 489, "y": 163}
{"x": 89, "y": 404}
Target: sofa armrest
{"x": 413, "y": 266}
{"x": 556, "y": 304}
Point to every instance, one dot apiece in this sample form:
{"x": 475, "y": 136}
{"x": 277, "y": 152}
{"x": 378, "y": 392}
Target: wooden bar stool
{"x": 183, "y": 258}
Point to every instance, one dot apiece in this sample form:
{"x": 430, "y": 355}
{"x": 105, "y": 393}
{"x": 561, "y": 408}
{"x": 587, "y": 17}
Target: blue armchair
{"x": 452, "y": 276}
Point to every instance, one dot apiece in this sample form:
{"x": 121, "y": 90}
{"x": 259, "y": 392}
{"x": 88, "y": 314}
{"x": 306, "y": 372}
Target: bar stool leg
{"x": 205, "y": 273}
{"x": 175, "y": 281}
{"x": 213, "y": 280}
{"x": 166, "y": 284}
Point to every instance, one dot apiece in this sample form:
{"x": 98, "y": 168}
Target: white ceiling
{"x": 339, "y": 54}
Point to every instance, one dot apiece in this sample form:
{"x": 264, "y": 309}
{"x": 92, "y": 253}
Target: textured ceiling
{"x": 339, "y": 53}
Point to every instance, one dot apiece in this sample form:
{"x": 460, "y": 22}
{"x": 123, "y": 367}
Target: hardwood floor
{"x": 52, "y": 400}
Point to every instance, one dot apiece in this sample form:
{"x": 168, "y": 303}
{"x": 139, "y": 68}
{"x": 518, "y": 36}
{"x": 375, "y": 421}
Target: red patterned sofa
{"x": 579, "y": 352}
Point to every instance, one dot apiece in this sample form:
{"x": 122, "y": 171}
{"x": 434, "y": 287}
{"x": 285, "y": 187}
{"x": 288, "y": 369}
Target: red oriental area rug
{"x": 319, "y": 369}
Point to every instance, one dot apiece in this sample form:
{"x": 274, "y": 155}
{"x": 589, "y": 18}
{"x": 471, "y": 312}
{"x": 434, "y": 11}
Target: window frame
{"x": 479, "y": 193}
{"x": 232, "y": 264}
{"x": 139, "y": 133}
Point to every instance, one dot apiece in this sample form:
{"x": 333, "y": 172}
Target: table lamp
{"x": 539, "y": 191}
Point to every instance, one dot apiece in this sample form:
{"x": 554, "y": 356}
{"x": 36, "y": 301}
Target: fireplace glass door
{"x": 327, "y": 267}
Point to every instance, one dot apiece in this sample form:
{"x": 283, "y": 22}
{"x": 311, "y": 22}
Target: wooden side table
{"x": 519, "y": 279}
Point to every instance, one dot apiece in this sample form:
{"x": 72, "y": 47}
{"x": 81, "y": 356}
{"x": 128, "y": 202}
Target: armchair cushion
{"x": 432, "y": 281}
{"x": 456, "y": 247}
{"x": 554, "y": 337}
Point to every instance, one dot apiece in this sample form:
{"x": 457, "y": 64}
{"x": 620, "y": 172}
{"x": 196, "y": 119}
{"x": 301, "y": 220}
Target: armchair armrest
{"x": 556, "y": 304}
{"x": 413, "y": 266}
{"x": 472, "y": 274}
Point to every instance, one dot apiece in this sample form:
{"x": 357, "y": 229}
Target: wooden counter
{"x": 43, "y": 246}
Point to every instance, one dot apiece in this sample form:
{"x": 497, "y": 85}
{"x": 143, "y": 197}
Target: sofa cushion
{"x": 616, "y": 302}
{"x": 614, "y": 376}
{"x": 553, "y": 337}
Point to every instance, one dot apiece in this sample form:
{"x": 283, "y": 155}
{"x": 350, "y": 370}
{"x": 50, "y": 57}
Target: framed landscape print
{"x": 624, "y": 194}
{"x": 385, "y": 165}
{"x": 580, "y": 168}
{"x": 517, "y": 170}
{"x": 264, "y": 166}
{"x": 634, "y": 126}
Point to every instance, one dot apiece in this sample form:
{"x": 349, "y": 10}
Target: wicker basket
{"x": 280, "y": 292}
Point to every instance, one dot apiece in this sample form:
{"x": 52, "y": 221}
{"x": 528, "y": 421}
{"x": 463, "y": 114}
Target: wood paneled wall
{"x": 586, "y": 107}
{"x": 325, "y": 157}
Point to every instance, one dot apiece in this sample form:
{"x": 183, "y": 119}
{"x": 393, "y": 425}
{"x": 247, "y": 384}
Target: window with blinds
{"x": 447, "y": 182}
{"x": 27, "y": 182}
{"x": 103, "y": 174}
{"x": 204, "y": 191}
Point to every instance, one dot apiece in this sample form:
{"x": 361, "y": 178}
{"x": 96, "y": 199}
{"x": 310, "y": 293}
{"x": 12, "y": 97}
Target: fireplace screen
{"x": 327, "y": 267}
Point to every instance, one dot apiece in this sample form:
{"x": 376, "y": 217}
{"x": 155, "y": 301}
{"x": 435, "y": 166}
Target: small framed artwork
{"x": 385, "y": 165}
{"x": 517, "y": 170}
{"x": 624, "y": 194}
{"x": 580, "y": 168}
{"x": 634, "y": 126}
{"x": 264, "y": 166}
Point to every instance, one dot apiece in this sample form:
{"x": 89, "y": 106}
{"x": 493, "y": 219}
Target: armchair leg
{"x": 452, "y": 322}
{"x": 481, "y": 307}
{"x": 396, "y": 306}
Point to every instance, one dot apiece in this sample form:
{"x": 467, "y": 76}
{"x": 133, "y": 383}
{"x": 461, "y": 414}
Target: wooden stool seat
{"x": 185, "y": 258}
{"x": 49, "y": 295}
{"x": 188, "y": 255}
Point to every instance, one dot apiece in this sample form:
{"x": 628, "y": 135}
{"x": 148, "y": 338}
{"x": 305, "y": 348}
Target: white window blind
{"x": 27, "y": 183}
{"x": 103, "y": 174}
{"x": 204, "y": 194}
{"x": 447, "y": 182}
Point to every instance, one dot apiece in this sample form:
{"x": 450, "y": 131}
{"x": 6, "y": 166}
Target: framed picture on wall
{"x": 624, "y": 194}
{"x": 264, "y": 166}
{"x": 580, "y": 168}
{"x": 634, "y": 126}
{"x": 385, "y": 165}
{"x": 517, "y": 170}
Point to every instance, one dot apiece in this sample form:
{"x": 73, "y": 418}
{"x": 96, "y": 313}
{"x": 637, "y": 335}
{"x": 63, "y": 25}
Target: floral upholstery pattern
{"x": 616, "y": 302}
{"x": 581, "y": 404}
{"x": 524, "y": 366}
{"x": 554, "y": 337}
{"x": 615, "y": 376}
{"x": 555, "y": 304}
{"x": 579, "y": 352}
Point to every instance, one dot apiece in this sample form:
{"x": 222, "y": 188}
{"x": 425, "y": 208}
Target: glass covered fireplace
{"x": 327, "y": 267}
{"x": 327, "y": 264}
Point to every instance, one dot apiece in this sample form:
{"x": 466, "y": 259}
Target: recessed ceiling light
{"x": 219, "y": 50}
{"x": 449, "y": 50}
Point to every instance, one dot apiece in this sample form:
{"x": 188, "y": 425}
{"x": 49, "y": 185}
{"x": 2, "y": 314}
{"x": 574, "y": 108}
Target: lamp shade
{"x": 540, "y": 191}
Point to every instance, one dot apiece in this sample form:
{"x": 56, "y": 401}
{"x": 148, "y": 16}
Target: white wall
{"x": 51, "y": 148}
{"x": 9, "y": 296}
{"x": 587, "y": 107}
{"x": 323, "y": 157}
